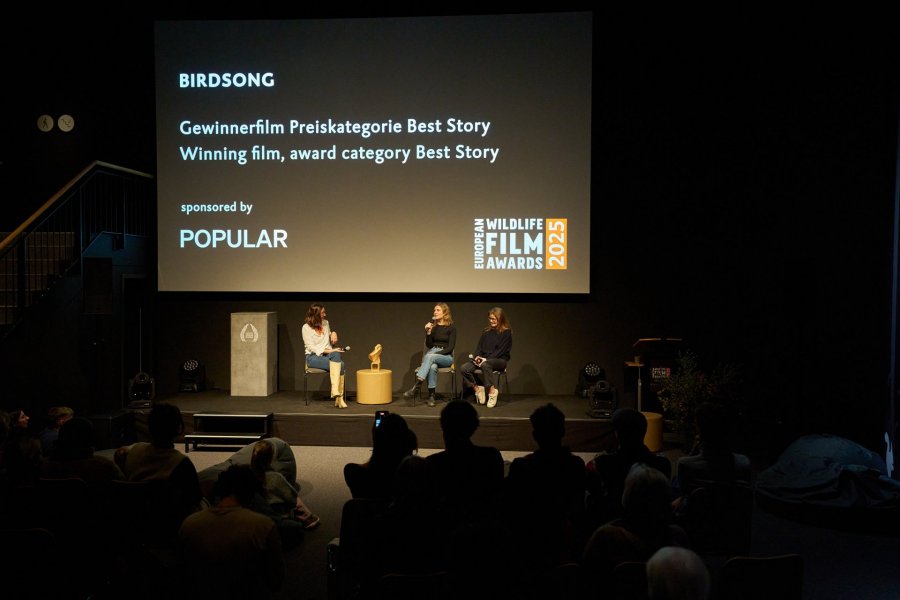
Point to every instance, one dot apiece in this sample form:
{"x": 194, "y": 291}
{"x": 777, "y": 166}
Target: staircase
{"x": 103, "y": 198}
{"x": 30, "y": 269}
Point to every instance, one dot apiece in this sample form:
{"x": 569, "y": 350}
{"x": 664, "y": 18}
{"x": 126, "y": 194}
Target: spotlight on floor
{"x": 141, "y": 391}
{"x": 600, "y": 394}
{"x": 192, "y": 376}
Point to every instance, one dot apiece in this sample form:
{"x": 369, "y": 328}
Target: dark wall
{"x": 742, "y": 199}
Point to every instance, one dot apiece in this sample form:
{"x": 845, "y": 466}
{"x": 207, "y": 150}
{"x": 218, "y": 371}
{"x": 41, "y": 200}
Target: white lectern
{"x": 254, "y": 353}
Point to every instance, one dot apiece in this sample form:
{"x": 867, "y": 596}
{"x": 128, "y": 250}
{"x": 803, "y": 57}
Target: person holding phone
{"x": 491, "y": 354}
{"x": 440, "y": 340}
{"x": 319, "y": 341}
{"x": 392, "y": 441}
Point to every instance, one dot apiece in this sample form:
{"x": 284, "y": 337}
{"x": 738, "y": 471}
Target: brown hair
{"x": 446, "y": 308}
{"x": 314, "y": 316}
{"x": 502, "y": 321}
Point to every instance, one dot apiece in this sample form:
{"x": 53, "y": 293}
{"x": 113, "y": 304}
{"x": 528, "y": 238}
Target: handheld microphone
{"x": 343, "y": 348}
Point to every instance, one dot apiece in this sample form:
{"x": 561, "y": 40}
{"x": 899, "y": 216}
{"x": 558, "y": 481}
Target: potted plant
{"x": 687, "y": 387}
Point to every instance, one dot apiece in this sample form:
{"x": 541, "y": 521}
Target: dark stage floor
{"x": 505, "y": 426}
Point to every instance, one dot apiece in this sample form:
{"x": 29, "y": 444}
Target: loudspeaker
{"x": 113, "y": 429}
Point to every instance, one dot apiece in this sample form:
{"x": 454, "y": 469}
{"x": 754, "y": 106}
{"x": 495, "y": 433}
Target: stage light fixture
{"x": 600, "y": 394}
{"x": 593, "y": 373}
{"x": 141, "y": 391}
{"x": 192, "y": 376}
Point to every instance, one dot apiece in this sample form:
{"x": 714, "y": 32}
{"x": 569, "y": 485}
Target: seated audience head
{"x": 76, "y": 440}
{"x": 676, "y": 573}
{"x": 392, "y": 440}
{"x": 237, "y": 481}
{"x": 262, "y": 457}
{"x": 548, "y": 425}
{"x": 459, "y": 420}
{"x": 165, "y": 424}
{"x": 647, "y": 497}
{"x": 413, "y": 483}
{"x": 58, "y": 415}
{"x": 630, "y": 426}
{"x": 18, "y": 421}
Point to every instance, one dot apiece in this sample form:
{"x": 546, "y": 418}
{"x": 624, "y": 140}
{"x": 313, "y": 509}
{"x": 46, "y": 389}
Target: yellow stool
{"x": 373, "y": 386}
{"x": 653, "y": 439}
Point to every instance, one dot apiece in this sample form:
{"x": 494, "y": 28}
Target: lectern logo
{"x": 250, "y": 333}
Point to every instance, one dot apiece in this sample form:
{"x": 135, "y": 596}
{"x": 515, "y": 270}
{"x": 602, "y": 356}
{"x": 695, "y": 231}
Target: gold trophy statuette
{"x": 375, "y": 357}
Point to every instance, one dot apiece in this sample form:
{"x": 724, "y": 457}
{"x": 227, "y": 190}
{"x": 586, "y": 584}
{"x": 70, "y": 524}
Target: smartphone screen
{"x": 379, "y": 415}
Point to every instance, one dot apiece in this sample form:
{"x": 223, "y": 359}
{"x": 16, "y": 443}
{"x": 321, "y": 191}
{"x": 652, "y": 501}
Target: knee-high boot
{"x": 337, "y": 392}
{"x": 341, "y": 403}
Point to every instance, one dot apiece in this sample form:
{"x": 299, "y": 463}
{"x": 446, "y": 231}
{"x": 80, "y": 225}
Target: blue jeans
{"x": 431, "y": 362}
{"x": 322, "y": 362}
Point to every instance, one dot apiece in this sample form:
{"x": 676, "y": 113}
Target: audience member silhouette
{"x": 22, "y": 457}
{"x": 676, "y": 573}
{"x": 56, "y": 417}
{"x": 547, "y": 484}
{"x": 392, "y": 441}
{"x": 283, "y": 462}
{"x": 410, "y": 521}
{"x": 281, "y": 494}
{"x": 469, "y": 477}
{"x": 469, "y": 484}
{"x": 606, "y": 472}
{"x": 645, "y": 527}
{"x": 73, "y": 455}
{"x": 715, "y": 461}
{"x": 159, "y": 462}
{"x": 227, "y": 550}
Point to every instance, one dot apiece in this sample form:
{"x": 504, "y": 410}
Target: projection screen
{"x": 373, "y": 155}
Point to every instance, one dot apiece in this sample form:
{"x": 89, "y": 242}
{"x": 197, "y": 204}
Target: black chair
{"x": 29, "y": 551}
{"x": 412, "y": 586}
{"x": 718, "y": 518}
{"x": 307, "y": 371}
{"x": 451, "y": 370}
{"x": 630, "y": 581}
{"x": 351, "y": 557}
{"x": 500, "y": 377}
{"x": 778, "y": 577}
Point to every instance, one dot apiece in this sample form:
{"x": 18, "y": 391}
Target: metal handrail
{"x": 102, "y": 198}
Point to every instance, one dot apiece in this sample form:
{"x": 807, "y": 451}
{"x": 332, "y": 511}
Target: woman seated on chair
{"x": 490, "y": 356}
{"x": 318, "y": 340}
{"x": 440, "y": 340}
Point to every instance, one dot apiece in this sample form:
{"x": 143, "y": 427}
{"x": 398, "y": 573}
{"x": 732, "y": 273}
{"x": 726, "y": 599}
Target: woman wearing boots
{"x": 440, "y": 339}
{"x": 318, "y": 339}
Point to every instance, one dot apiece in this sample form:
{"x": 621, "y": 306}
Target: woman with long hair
{"x": 491, "y": 354}
{"x": 440, "y": 340}
{"x": 319, "y": 341}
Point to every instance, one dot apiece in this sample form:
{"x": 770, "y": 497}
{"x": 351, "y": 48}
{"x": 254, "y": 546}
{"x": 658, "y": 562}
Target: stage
{"x": 506, "y": 426}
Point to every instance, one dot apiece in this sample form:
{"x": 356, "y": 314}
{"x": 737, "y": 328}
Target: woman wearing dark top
{"x": 392, "y": 441}
{"x": 440, "y": 340}
{"x": 492, "y": 354}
